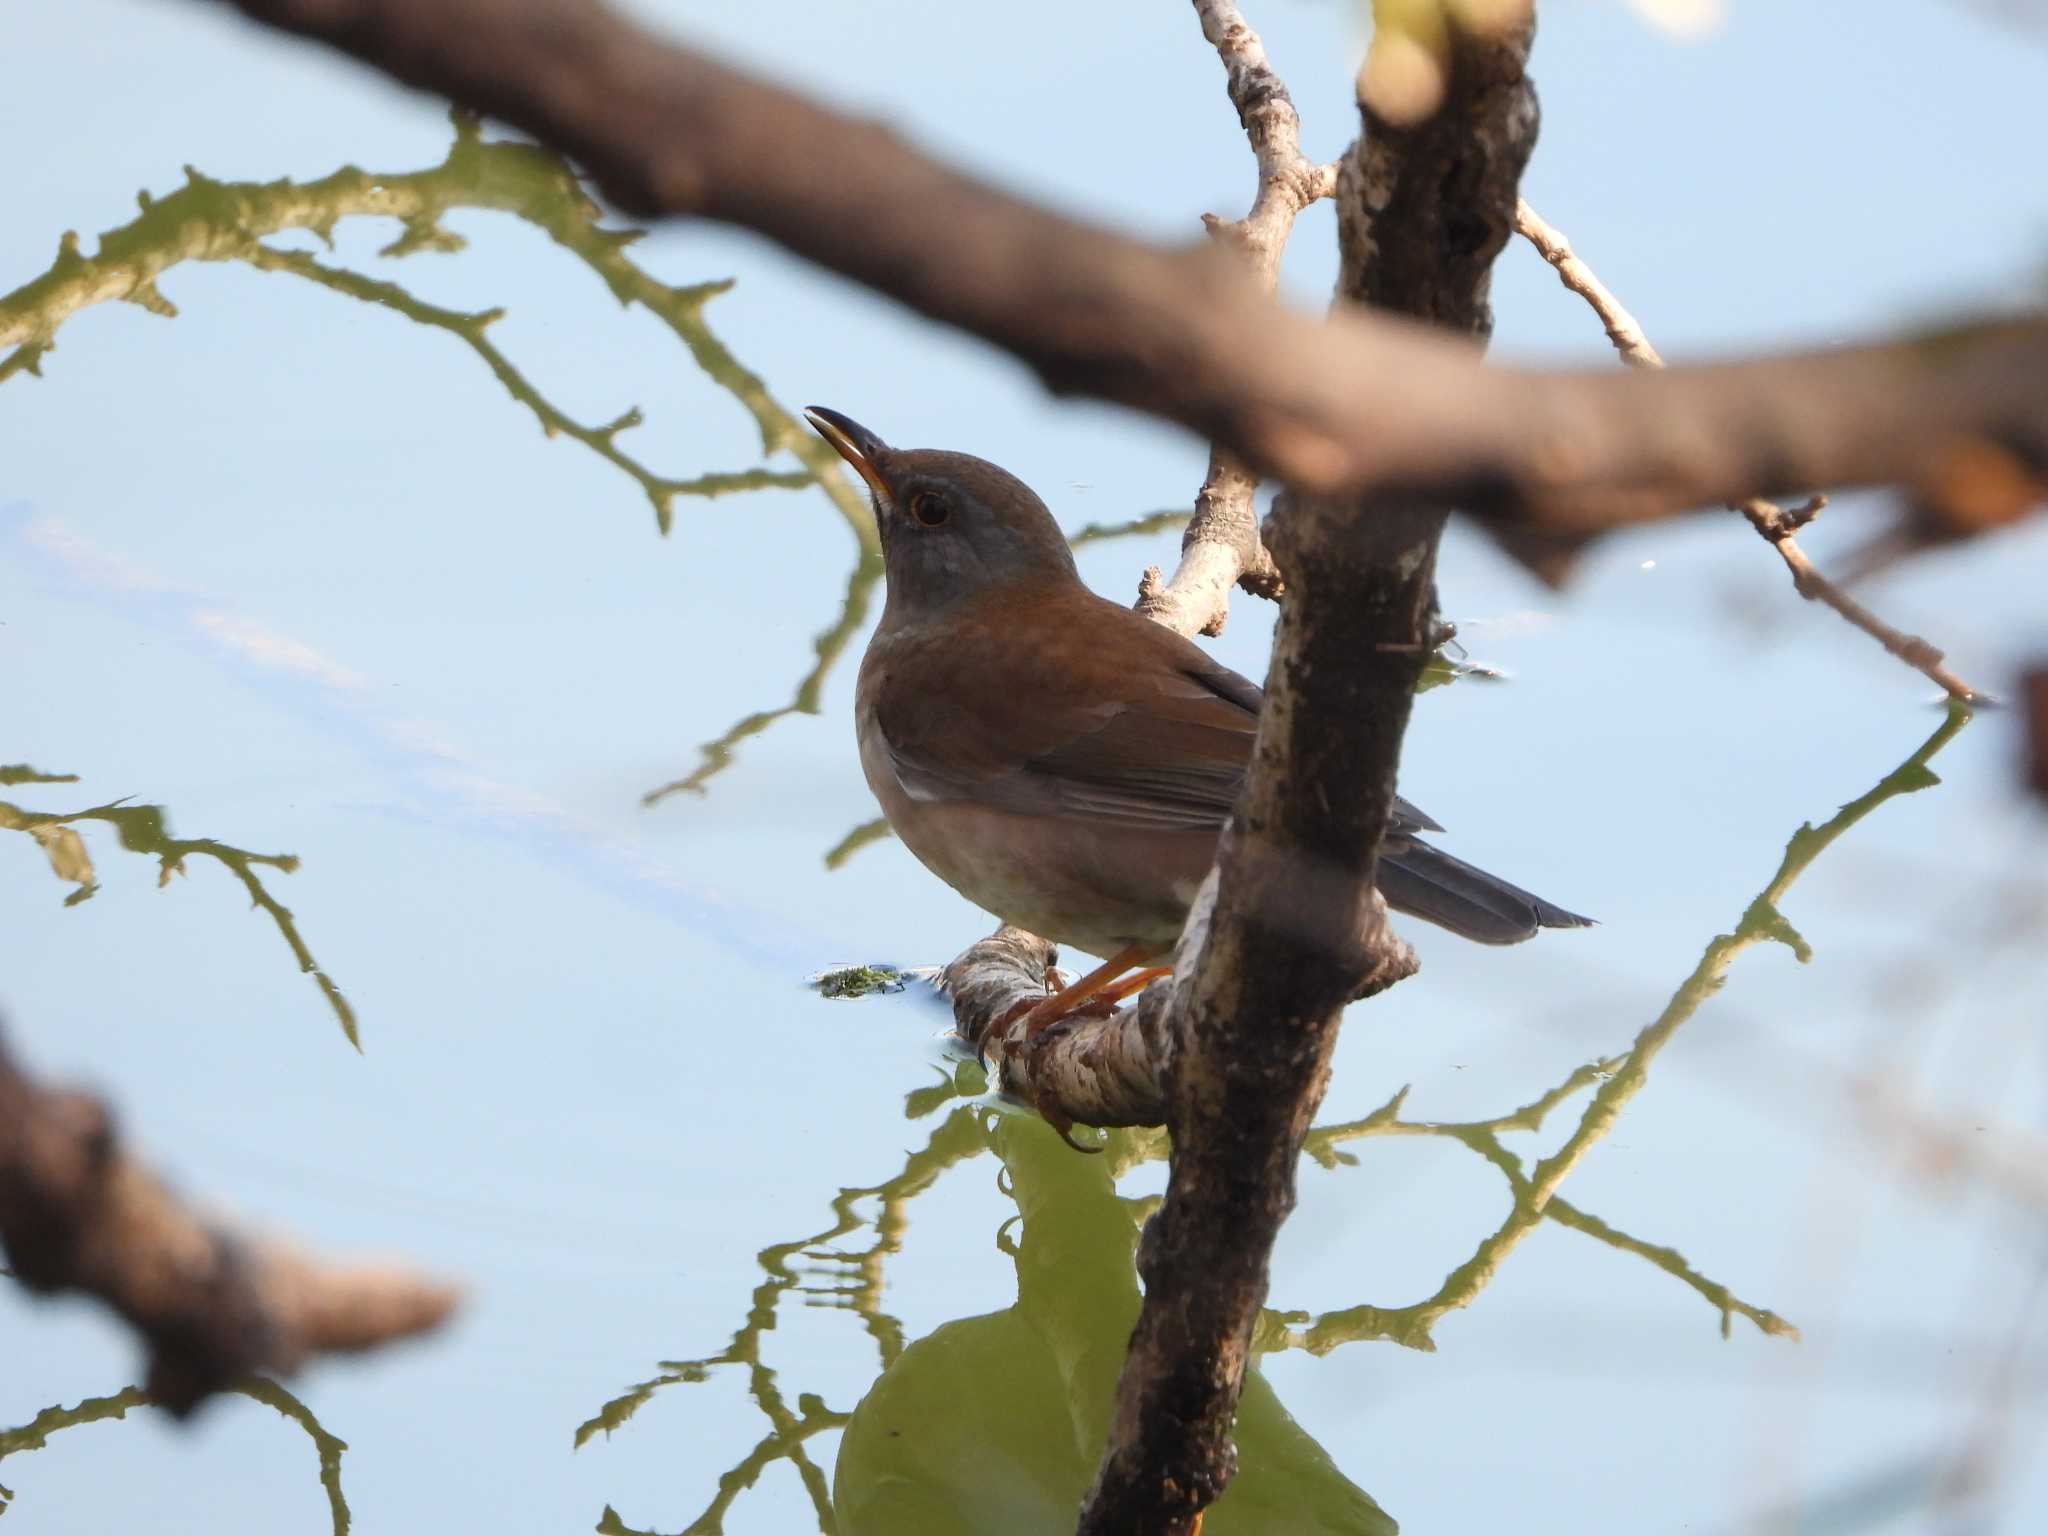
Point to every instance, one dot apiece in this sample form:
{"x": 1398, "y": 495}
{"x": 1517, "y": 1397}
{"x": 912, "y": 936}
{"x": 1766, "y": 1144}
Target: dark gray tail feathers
{"x": 1428, "y": 883}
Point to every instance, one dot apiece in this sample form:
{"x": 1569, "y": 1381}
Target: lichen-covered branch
{"x": 1775, "y": 525}
{"x": 79, "y": 1213}
{"x": 1222, "y": 547}
{"x": 1104, "y": 1070}
{"x": 1360, "y": 403}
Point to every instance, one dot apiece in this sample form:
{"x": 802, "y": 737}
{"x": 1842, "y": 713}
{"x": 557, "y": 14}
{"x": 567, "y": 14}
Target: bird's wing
{"x": 1134, "y": 726}
{"x": 1110, "y": 719}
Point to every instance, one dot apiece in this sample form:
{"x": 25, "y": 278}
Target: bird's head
{"x": 952, "y": 525}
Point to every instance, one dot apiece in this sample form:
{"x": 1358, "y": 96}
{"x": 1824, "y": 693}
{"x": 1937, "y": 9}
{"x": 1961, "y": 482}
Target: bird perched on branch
{"x": 1060, "y": 760}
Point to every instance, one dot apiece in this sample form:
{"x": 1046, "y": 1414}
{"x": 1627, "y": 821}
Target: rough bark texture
{"x": 77, "y": 1213}
{"x": 1365, "y": 402}
{"x": 1297, "y": 931}
{"x": 1104, "y": 1071}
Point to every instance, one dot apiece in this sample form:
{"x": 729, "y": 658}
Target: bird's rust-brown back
{"x": 1059, "y": 702}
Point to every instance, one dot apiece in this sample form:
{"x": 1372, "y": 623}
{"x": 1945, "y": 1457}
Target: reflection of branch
{"x": 867, "y": 832}
{"x": 33, "y": 1435}
{"x": 22, "y": 773}
{"x": 207, "y": 220}
{"x": 78, "y": 1213}
{"x": 1619, "y": 1079}
{"x": 956, "y": 1138}
{"x": 470, "y": 329}
{"x": 1776, "y": 525}
{"x": 1222, "y": 547}
{"x": 1150, "y": 522}
{"x": 1353, "y": 404}
{"x": 144, "y": 829}
{"x": 853, "y": 613}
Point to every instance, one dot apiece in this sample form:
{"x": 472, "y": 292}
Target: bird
{"x": 1060, "y": 760}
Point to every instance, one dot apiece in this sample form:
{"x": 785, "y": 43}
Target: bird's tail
{"x": 1428, "y": 883}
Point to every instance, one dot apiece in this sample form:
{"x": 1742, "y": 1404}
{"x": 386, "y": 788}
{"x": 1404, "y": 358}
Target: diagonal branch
{"x": 1221, "y": 547}
{"x": 1774, "y": 524}
{"x": 1361, "y": 402}
{"x": 79, "y": 1213}
{"x": 471, "y": 329}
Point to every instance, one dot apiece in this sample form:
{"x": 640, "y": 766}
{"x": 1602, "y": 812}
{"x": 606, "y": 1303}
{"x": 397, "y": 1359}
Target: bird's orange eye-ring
{"x": 929, "y": 508}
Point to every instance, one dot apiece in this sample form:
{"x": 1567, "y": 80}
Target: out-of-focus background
{"x": 295, "y": 596}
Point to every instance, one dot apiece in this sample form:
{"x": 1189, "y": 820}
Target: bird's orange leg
{"x": 1132, "y": 985}
{"x": 1074, "y": 995}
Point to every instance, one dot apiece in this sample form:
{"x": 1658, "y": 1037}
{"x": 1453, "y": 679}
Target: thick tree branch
{"x": 1774, "y": 524}
{"x": 1364, "y": 402}
{"x": 78, "y": 1213}
{"x": 1298, "y": 930}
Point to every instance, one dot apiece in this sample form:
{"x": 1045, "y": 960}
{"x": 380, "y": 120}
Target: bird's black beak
{"x": 855, "y": 444}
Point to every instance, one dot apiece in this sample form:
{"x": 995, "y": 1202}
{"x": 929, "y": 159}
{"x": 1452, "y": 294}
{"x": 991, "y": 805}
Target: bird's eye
{"x": 929, "y": 508}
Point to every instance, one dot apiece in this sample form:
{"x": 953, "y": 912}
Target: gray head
{"x": 952, "y": 525}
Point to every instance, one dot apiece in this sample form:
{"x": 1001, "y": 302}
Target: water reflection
{"x": 146, "y": 829}
{"x": 917, "y": 1446}
{"x": 216, "y": 221}
{"x": 33, "y": 1435}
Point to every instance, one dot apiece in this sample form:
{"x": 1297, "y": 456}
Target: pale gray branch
{"x": 1774, "y": 524}
{"x": 1222, "y": 547}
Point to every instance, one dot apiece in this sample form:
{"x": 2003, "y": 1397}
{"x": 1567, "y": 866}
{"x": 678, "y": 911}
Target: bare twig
{"x": 1776, "y": 525}
{"x": 1622, "y": 329}
{"x": 1362, "y": 402}
{"x": 1221, "y": 547}
{"x": 78, "y": 1213}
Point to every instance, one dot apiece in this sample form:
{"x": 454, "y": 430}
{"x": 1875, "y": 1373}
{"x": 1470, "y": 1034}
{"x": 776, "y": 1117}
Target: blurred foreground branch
{"x": 79, "y": 1213}
{"x": 1359, "y": 402}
